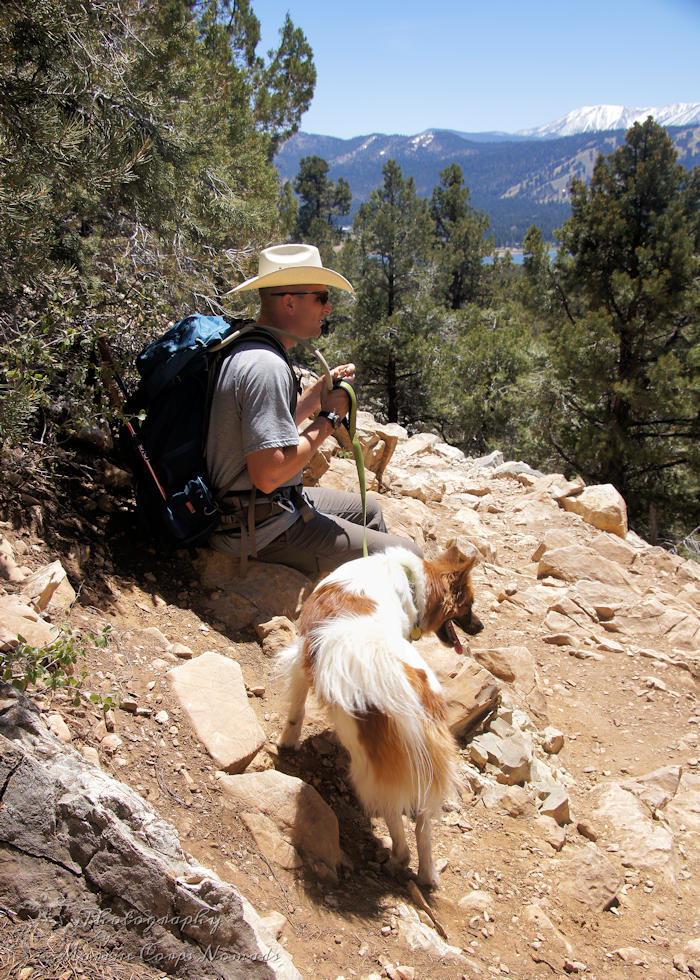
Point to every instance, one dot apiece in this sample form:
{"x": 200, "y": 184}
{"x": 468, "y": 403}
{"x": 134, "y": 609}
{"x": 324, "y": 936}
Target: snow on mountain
{"x": 591, "y": 119}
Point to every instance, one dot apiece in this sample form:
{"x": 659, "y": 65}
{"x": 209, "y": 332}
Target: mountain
{"x": 598, "y": 118}
{"x": 518, "y": 181}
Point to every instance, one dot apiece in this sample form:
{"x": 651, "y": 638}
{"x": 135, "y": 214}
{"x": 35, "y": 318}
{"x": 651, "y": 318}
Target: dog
{"x": 383, "y": 700}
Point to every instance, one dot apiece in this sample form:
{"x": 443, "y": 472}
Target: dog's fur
{"x": 383, "y": 700}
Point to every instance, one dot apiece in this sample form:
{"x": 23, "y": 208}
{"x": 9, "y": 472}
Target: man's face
{"x": 311, "y": 307}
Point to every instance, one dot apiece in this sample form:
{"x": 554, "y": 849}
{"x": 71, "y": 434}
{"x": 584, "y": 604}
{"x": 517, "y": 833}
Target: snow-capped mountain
{"x": 597, "y": 118}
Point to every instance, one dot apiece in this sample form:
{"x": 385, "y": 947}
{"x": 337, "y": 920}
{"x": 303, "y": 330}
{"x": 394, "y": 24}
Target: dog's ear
{"x": 461, "y": 554}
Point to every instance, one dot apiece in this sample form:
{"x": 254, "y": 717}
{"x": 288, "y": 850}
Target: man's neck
{"x": 287, "y": 339}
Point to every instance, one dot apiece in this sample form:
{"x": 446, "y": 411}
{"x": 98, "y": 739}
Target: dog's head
{"x": 449, "y": 595}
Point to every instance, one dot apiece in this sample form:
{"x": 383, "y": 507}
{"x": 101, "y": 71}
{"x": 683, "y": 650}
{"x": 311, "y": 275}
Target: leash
{"x": 350, "y": 422}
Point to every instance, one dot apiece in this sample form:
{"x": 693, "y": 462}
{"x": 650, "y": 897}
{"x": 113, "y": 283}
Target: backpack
{"x": 169, "y": 420}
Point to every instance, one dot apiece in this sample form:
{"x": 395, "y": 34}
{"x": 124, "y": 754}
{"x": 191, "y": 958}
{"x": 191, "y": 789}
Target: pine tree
{"x": 394, "y": 322}
{"x": 135, "y": 178}
{"x": 461, "y": 239}
{"x": 321, "y": 203}
{"x": 626, "y": 351}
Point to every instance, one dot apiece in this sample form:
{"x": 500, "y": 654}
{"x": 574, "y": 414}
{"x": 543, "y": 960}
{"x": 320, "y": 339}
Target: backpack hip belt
{"x": 246, "y": 511}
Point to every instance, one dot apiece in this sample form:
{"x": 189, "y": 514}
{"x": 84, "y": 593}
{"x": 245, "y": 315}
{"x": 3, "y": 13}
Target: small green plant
{"x": 54, "y": 666}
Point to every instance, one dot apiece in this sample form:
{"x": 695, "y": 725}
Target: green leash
{"x": 351, "y": 425}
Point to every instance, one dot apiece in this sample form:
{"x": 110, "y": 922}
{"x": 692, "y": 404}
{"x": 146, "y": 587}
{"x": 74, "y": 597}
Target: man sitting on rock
{"x": 255, "y": 451}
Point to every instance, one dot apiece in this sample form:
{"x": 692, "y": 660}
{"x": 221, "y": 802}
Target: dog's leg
{"x": 427, "y": 875}
{"x": 297, "y": 701}
{"x": 399, "y": 848}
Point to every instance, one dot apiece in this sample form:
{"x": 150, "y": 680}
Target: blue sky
{"x": 403, "y": 66}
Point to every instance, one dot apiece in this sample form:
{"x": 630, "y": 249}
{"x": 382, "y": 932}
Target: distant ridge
{"x": 601, "y": 118}
{"x": 518, "y": 180}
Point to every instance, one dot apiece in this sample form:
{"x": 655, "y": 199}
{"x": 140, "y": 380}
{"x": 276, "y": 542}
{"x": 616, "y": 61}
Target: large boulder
{"x": 74, "y": 838}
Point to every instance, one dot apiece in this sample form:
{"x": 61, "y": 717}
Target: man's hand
{"x": 344, "y": 372}
{"x": 338, "y": 400}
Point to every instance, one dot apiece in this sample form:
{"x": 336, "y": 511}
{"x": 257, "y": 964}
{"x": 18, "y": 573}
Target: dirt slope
{"x": 622, "y": 715}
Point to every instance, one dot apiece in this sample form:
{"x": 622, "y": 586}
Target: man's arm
{"x": 272, "y": 468}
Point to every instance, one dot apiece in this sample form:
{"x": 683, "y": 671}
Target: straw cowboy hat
{"x": 292, "y": 265}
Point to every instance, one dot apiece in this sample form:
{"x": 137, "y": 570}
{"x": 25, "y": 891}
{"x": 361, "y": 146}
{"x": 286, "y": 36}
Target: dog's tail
{"x": 286, "y": 660}
{"x": 364, "y": 671}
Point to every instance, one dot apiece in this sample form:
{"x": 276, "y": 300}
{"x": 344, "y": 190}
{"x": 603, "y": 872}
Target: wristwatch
{"x": 332, "y": 417}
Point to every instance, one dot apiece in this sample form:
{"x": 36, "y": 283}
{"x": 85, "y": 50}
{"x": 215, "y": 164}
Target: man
{"x": 255, "y": 450}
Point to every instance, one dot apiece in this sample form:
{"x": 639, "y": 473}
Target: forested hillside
{"x": 137, "y": 184}
{"x": 517, "y": 182}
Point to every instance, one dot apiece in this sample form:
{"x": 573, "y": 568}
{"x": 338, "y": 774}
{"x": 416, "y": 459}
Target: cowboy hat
{"x": 292, "y": 265}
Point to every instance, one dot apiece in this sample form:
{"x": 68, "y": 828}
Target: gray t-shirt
{"x": 252, "y": 409}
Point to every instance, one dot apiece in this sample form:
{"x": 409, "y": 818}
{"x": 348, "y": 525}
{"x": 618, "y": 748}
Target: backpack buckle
{"x": 284, "y": 503}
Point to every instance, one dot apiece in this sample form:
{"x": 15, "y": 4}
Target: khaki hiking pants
{"x": 333, "y": 535}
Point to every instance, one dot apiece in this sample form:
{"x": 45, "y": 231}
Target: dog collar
{"x": 416, "y": 631}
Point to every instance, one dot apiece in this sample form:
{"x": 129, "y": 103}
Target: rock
{"x": 632, "y": 955}
{"x": 9, "y": 570}
{"x": 553, "y": 946}
{"x": 291, "y": 823}
{"x": 111, "y": 743}
{"x": 567, "y": 488}
{"x": 49, "y": 585}
{"x": 211, "y": 691}
{"x": 58, "y": 726}
{"x": 470, "y": 527}
{"x": 552, "y": 832}
{"x": 275, "y": 634}
{"x": 510, "y": 756}
{"x": 602, "y": 506}
{"x": 553, "y": 538}
{"x": 516, "y": 662}
{"x": 552, "y": 740}
{"x": 90, "y": 755}
{"x": 419, "y": 444}
{"x": 496, "y": 662}
{"x": 515, "y": 468}
{"x": 470, "y": 697}
{"x": 692, "y": 952}
{"x": 657, "y": 788}
{"x": 591, "y": 879}
{"x": 476, "y": 901}
{"x": 151, "y": 640}
{"x": 556, "y": 805}
{"x": 487, "y": 462}
{"x": 274, "y": 922}
{"x": 72, "y": 837}
{"x": 422, "y": 487}
{"x": 20, "y": 620}
{"x": 613, "y": 547}
{"x": 267, "y": 590}
{"x": 576, "y": 562}
{"x": 515, "y": 801}
{"x": 316, "y": 467}
{"x": 644, "y": 843}
{"x": 181, "y": 651}
{"x": 418, "y": 935}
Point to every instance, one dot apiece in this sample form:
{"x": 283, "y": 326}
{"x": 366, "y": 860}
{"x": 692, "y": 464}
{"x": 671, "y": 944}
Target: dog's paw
{"x": 428, "y": 878}
{"x": 290, "y": 739}
{"x": 401, "y": 854}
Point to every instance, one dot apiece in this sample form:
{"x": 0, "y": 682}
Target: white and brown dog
{"x": 384, "y": 701}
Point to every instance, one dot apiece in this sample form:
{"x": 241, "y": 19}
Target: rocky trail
{"x": 170, "y": 837}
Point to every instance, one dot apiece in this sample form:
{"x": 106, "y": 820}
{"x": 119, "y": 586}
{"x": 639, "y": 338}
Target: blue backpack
{"x": 169, "y": 418}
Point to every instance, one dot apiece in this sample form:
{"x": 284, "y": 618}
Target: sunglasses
{"x": 321, "y": 295}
